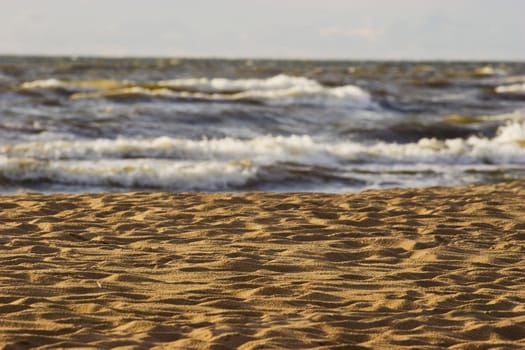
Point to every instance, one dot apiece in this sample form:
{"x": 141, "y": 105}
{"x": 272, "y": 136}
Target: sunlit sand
{"x": 408, "y": 268}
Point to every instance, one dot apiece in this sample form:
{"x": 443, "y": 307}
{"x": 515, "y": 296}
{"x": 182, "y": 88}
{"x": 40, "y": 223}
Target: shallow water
{"x": 89, "y": 124}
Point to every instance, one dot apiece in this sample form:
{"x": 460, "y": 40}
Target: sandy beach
{"x": 404, "y": 268}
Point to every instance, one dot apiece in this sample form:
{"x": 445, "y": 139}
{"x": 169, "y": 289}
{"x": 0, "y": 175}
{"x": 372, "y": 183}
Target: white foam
{"x": 227, "y": 163}
{"x": 298, "y": 148}
{"x": 489, "y": 71}
{"x": 189, "y": 176}
{"x": 278, "y": 90}
{"x": 44, "y": 84}
{"x": 126, "y": 91}
{"x": 512, "y": 132}
{"x": 344, "y": 96}
{"x": 511, "y": 89}
{"x": 263, "y": 148}
{"x": 76, "y": 85}
{"x": 278, "y": 82}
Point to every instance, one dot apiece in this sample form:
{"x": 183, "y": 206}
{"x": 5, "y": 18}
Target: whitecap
{"x": 144, "y": 173}
{"x": 44, "y": 84}
{"x": 517, "y": 89}
{"x": 278, "y": 90}
{"x": 268, "y": 149}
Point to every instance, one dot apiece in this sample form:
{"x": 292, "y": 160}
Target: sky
{"x": 305, "y": 29}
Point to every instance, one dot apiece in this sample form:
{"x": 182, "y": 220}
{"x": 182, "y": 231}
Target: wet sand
{"x": 405, "y": 268}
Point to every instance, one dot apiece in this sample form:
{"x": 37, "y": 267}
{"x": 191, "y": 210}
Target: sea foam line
{"x": 506, "y": 147}
{"x": 278, "y": 90}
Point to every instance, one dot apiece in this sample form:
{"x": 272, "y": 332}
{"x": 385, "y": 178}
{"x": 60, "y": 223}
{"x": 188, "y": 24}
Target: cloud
{"x": 366, "y": 33}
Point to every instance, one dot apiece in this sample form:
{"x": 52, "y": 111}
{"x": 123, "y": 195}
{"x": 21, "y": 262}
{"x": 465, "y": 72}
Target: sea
{"x": 87, "y": 124}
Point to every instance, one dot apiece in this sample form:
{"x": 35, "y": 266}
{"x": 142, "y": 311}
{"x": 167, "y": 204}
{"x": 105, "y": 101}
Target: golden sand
{"x": 418, "y": 268}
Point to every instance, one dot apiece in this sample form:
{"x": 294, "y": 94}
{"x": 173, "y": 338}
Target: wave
{"x": 144, "y": 173}
{"x": 509, "y": 139}
{"x": 281, "y": 88}
{"x": 514, "y": 116}
{"x": 229, "y": 163}
{"x": 278, "y": 90}
{"x": 73, "y": 85}
{"x": 513, "y": 89}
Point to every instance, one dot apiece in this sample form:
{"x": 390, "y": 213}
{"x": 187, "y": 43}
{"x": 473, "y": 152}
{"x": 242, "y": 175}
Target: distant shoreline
{"x": 258, "y": 59}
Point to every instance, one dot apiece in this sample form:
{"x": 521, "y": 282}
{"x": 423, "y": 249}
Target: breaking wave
{"x": 278, "y": 90}
{"x": 233, "y": 164}
{"x": 516, "y": 90}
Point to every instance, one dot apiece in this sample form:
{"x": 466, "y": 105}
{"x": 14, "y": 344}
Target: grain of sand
{"x": 404, "y": 268}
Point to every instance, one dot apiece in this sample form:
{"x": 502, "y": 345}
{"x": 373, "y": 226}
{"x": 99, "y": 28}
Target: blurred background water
{"x": 92, "y": 124}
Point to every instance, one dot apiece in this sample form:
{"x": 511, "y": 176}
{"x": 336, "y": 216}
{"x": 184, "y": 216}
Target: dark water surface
{"x": 90, "y": 124}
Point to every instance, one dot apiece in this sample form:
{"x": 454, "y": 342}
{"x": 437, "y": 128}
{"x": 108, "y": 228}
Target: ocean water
{"x": 91, "y": 124}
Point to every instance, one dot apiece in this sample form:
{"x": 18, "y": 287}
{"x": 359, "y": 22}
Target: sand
{"x": 412, "y": 268}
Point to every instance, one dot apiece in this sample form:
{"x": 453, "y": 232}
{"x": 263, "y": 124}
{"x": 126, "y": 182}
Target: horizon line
{"x": 260, "y": 58}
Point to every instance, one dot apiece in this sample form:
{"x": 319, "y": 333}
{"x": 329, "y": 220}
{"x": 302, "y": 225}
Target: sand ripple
{"x": 419, "y": 269}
